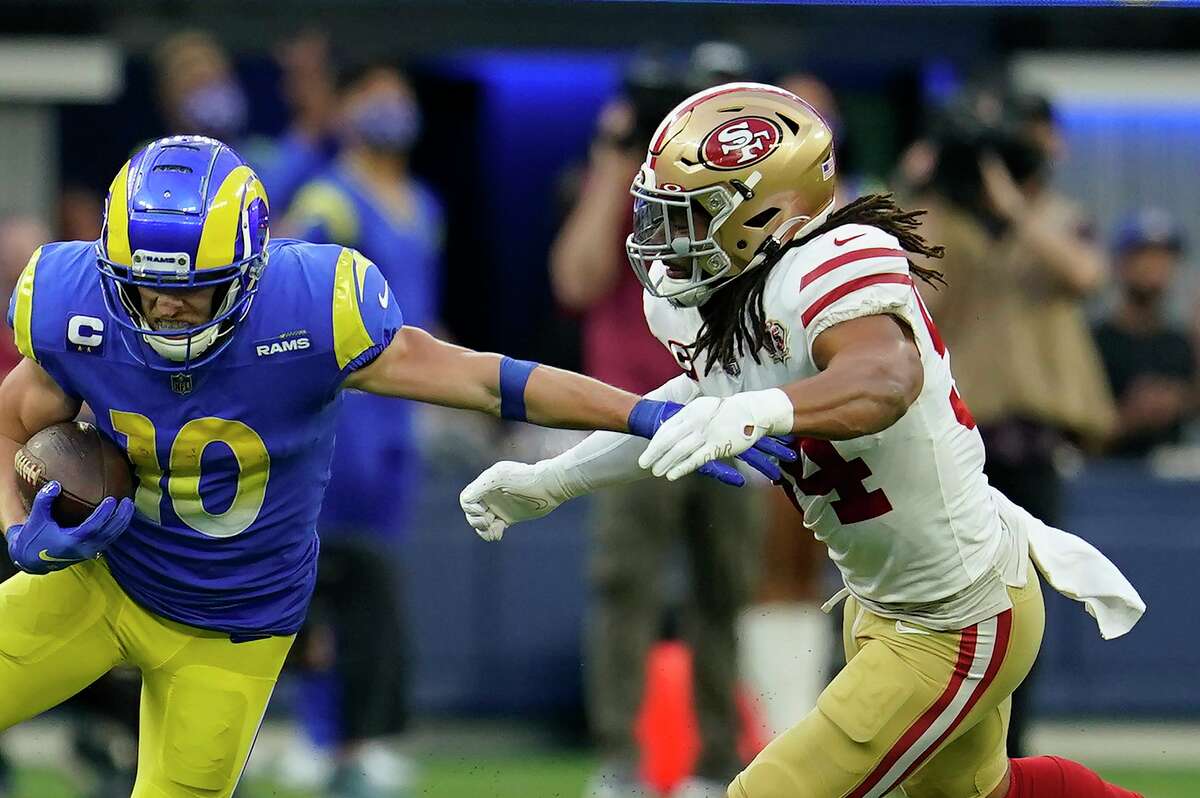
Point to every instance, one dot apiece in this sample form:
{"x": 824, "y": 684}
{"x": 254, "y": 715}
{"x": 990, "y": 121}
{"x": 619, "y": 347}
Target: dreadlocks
{"x": 734, "y": 318}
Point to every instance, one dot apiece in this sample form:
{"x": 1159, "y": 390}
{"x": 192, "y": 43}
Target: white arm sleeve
{"x": 611, "y": 458}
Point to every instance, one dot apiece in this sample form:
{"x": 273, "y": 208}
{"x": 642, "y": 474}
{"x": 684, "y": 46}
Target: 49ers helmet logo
{"x": 740, "y": 142}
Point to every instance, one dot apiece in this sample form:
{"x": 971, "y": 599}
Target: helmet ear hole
{"x": 741, "y": 244}
{"x": 761, "y": 219}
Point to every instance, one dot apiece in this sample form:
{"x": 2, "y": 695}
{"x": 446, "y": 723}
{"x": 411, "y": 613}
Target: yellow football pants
{"x": 925, "y": 709}
{"x": 203, "y": 696}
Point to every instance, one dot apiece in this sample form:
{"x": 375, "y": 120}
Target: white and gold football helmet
{"x": 732, "y": 174}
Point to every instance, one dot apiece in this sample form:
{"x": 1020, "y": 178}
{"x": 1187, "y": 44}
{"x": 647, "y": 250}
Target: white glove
{"x": 510, "y": 492}
{"x": 708, "y": 428}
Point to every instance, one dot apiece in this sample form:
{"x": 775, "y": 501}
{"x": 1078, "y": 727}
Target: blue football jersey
{"x": 231, "y": 463}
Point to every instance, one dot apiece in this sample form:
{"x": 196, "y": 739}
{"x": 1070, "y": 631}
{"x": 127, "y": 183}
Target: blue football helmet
{"x": 186, "y": 212}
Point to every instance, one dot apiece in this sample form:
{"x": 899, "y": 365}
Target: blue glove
{"x": 40, "y": 545}
{"x": 648, "y": 415}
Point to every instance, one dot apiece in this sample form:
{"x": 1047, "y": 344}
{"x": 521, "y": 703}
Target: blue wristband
{"x": 648, "y": 415}
{"x": 513, "y": 376}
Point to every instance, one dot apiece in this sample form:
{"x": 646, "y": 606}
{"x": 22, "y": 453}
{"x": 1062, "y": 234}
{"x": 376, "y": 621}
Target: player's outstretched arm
{"x": 30, "y": 400}
{"x": 870, "y": 374}
{"x": 509, "y": 492}
{"x": 415, "y": 365}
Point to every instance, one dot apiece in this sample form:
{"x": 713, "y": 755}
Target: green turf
{"x": 544, "y": 776}
{"x": 562, "y": 776}
{"x": 42, "y": 784}
{"x": 1166, "y": 783}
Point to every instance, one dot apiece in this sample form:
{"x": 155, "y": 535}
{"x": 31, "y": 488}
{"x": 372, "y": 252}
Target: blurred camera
{"x": 653, "y": 86}
{"x": 971, "y": 129}
{"x": 655, "y": 83}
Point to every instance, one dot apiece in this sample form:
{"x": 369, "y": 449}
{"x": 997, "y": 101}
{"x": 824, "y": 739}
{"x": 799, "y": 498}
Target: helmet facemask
{"x": 191, "y": 346}
{"x": 674, "y": 248}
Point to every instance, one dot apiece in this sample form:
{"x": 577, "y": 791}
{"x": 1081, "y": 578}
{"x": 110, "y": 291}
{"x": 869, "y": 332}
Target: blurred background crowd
{"x": 650, "y": 639}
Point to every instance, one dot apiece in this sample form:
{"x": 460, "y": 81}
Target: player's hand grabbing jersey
{"x": 231, "y": 464}
{"x": 906, "y": 513}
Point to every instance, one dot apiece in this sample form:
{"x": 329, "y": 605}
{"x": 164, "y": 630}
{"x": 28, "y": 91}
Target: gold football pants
{"x": 203, "y": 696}
{"x": 915, "y": 707}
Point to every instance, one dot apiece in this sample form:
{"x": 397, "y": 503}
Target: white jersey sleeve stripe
{"x": 848, "y": 258}
{"x": 847, "y": 288}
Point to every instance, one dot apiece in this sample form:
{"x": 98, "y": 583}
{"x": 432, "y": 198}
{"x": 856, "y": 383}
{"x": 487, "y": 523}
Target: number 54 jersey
{"x": 906, "y": 513}
{"x": 231, "y": 460}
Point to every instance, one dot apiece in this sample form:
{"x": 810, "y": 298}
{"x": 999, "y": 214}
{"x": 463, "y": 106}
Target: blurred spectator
{"x": 80, "y": 211}
{"x": 199, "y": 92}
{"x": 1150, "y": 363}
{"x": 638, "y": 527}
{"x": 368, "y": 200}
{"x": 310, "y": 142}
{"x": 1019, "y": 264}
{"x": 198, "y": 89}
{"x": 19, "y": 237}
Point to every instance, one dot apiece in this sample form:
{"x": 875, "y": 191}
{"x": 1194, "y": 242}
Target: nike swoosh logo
{"x": 838, "y": 242}
{"x": 383, "y": 297}
{"x": 532, "y": 501}
{"x": 44, "y": 556}
{"x": 905, "y": 629}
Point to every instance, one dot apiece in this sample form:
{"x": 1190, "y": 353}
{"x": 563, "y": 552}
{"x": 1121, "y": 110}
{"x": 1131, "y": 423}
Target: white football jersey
{"x": 906, "y": 513}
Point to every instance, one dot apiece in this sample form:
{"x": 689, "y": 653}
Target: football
{"x": 86, "y": 464}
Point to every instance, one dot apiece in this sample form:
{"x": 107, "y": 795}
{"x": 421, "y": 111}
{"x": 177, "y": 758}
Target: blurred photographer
{"x": 1019, "y": 264}
{"x": 638, "y": 528}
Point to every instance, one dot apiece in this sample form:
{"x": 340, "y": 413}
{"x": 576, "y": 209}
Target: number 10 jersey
{"x": 906, "y": 513}
{"x": 231, "y": 460}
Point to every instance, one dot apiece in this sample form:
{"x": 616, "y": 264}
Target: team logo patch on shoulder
{"x": 683, "y": 356}
{"x": 740, "y": 142}
{"x": 777, "y": 341}
{"x": 293, "y": 341}
{"x": 85, "y": 333}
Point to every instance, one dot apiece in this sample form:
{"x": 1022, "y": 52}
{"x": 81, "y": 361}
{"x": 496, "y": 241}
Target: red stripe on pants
{"x": 966, "y": 654}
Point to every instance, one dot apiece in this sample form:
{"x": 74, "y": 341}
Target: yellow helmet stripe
{"x": 23, "y": 311}
{"x": 223, "y": 226}
{"x": 116, "y": 243}
{"x": 350, "y": 336}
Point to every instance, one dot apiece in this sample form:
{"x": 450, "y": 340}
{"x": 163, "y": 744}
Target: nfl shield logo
{"x": 181, "y": 383}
